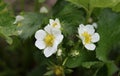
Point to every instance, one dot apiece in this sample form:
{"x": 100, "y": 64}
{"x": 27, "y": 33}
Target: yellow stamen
{"x": 87, "y": 37}
{"x": 49, "y": 39}
{"x": 54, "y": 24}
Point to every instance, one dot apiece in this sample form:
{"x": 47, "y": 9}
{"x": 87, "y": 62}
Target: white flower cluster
{"x": 88, "y": 35}
{"x": 49, "y": 38}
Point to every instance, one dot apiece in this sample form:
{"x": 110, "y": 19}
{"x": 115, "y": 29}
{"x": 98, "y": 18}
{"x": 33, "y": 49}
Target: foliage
{"x": 75, "y": 58}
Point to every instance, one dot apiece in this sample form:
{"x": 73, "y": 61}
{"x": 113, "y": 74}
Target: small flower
{"x": 55, "y": 23}
{"x": 95, "y": 25}
{"x": 88, "y": 36}
{"x": 48, "y": 39}
{"x": 58, "y": 70}
{"x": 18, "y": 19}
{"x": 59, "y": 52}
{"x": 43, "y": 9}
{"x": 19, "y": 32}
{"x": 75, "y": 53}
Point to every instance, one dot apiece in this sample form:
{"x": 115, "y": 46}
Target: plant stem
{"x": 89, "y": 15}
{"x": 65, "y": 61}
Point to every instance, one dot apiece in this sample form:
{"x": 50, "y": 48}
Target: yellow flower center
{"x": 54, "y": 24}
{"x": 87, "y": 37}
{"x": 58, "y": 71}
{"x": 49, "y": 39}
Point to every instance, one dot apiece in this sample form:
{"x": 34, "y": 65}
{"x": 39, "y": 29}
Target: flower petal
{"x": 90, "y": 29}
{"x": 40, "y": 44}
{"x": 57, "y": 20}
{"x": 90, "y": 46}
{"x": 18, "y": 19}
{"x": 49, "y": 51}
{"x": 58, "y": 39}
{"x": 95, "y": 37}
{"x": 81, "y": 29}
{"x": 56, "y": 31}
{"x": 95, "y": 25}
{"x": 40, "y": 34}
{"x": 51, "y": 21}
{"x": 48, "y": 28}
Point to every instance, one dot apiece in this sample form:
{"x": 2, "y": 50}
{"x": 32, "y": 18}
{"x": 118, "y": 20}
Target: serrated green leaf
{"x": 84, "y": 56}
{"x": 31, "y": 23}
{"x": 70, "y": 20}
{"x": 89, "y": 5}
{"x": 80, "y": 3}
{"x": 108, "y": 28}
{"x": 7, "y": 28}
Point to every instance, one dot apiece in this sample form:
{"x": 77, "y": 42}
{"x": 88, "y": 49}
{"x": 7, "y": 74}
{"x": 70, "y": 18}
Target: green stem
{"x": 89, "y": 15}
{"x": 65, "y": 61}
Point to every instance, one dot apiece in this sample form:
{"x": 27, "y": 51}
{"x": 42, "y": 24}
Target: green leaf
{"x": 51, "y": 72}
{"x": 108, "y": 28}
{"x": 38, "y": 71}
{"x": 31, "y": 23}
{"x": 70, "y": 20}
{"x": 112, "y": 68}
{"x": 80, "y": 3}
{"x": 88, "y": 5}
{"x": 3, "y": 7}
{"x": 90, "y": 64}
{"x": 85, "y": 56}
{"x": 7, "y": 28}
{"x": 103, "y": 3}
{"x": 116, "y": 8}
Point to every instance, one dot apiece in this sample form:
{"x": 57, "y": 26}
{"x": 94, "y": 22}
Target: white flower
{"x": 88, "y": 36}
{"x": 18, "y": 19}
{"x": 48, "y": 39}
{"x": 43, "y": 10}
{"x": 55, "y": 23}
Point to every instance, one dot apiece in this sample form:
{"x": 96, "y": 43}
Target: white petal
{"x": 49, "y": 51}
{"x": 56, "y": 31}
{"x": 18, "y": 18}
{"x": 40, "y": 34}
{"x": 48, "y": 28}
{"x": 51, "y": 21}
{"x": 81, "y": 29}
{"x": 57, "y": 20}
{"x": 95, "y": 37}
{"x": 40, "y": 44}
{"x": 95, "y": 25}
{"x": 90, "y": 29}
{"x": 58, "y": 39}
{"x": 90, "y": 46}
